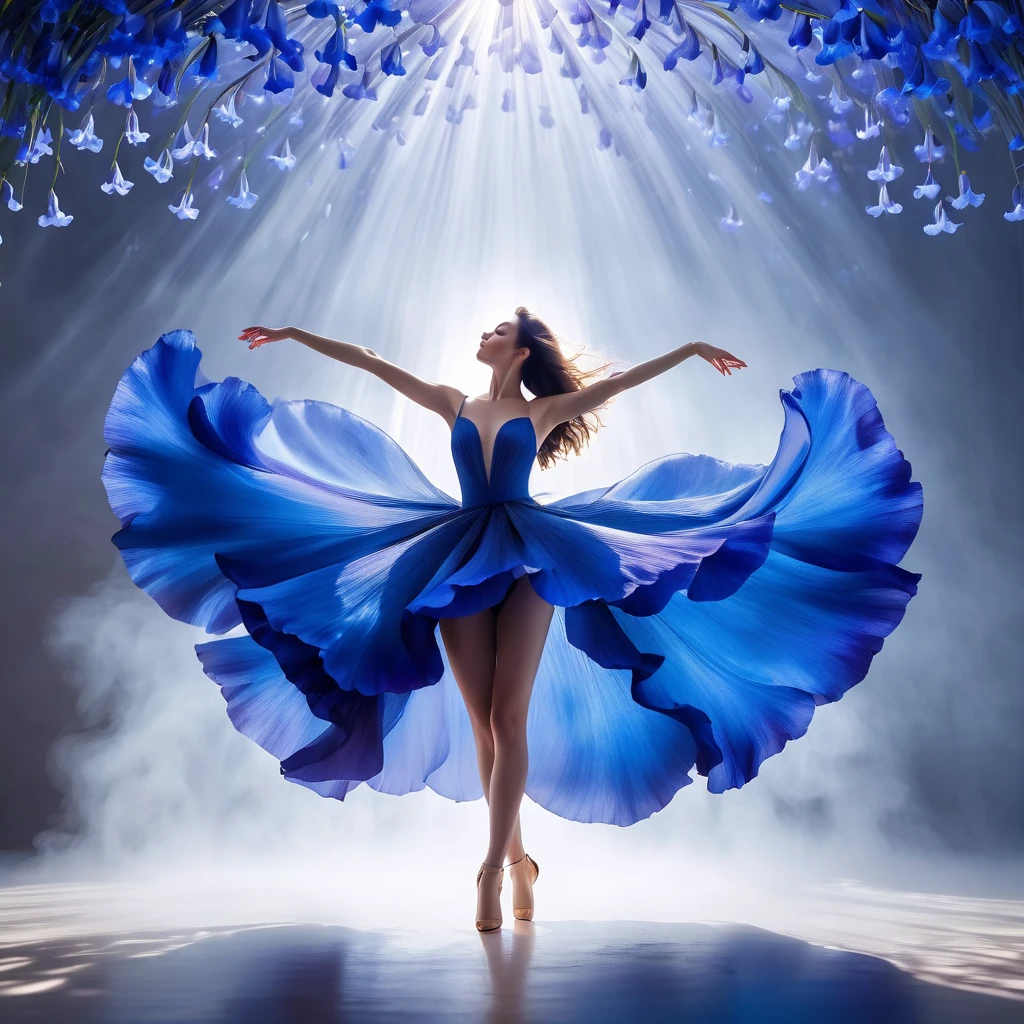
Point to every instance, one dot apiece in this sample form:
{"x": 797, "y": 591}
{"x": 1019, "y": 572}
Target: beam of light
{"x": 770, "y": 81}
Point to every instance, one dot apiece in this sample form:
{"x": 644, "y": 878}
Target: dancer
{"x": 594, "y": 649}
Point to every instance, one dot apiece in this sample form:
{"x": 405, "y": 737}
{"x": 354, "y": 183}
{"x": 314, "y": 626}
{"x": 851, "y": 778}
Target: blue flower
{"x": 284, "y": 159}
{"x": 185, "y": 210}
{"x": 233, "y": 20}
{"x": 391, "y": 60}
{"x": 243, "y": 199}
{"x": 528, "y": 58}
{"x": 929, "y": 189}
{"x": 642, "y": 23}
{"x": 165, "y": 83}
{"x": 964, "y": 138}
{"x": 885, "y": 204}
{"x": 7, "y": 194}
{"x": 986, "y": 21}
{"x": 922, "y": 80}
{"x": 837, "y": 38}
{"x": 731, "y": 221}
{"x": 966, "y": 197}
{"x": 886, "y": 169}
{"x": 433, "y": 44}
{"x": 688, "y": 48}
{"x": 361, "y": 90}
{"x": 941, "y": 44}
{"x": 83, "y": 138}
{"x": 636, "y": 76}
{"x": 893, "y": 106}
{"x": 129, "y": 89}
{"x": 579, "y": 12}
{"x": 377, "y": 12}
{"x": 54, "y": 218}
{"x": 226, "y": 112}
{"x": 277, "y": 28}
{"x": 930, "y": 152}
{"x": 162, "y": 170}
{"x": 208, "y": 61}
{"x": 941, "y": 223}
{"x": 325, "y": 79}
{"x": 871, "y": 129}
{"x": 839, "y": 102}
{"x": 752, "y": 61}
{"x": 1017, "y": 199}
{"x": 334, "y": 52}
{"x": 117, "y": 183}
{"x": 40, "y": 147}
{"x": 132, "y": 135}
{"x": 802, "y": 33}
{"x": 871, "y": 41}
{"x": 199, "y": 146}
{"x": 761, "y": 10}
{"x": 812, "y": 170}
{"x": 279, "y": 77}
{"x": 323, "y": 9}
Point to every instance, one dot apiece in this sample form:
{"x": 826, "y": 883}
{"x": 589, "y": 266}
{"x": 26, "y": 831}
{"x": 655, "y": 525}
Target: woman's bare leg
{"x": 522, "y": 630}
{"x": 470, "y": 643}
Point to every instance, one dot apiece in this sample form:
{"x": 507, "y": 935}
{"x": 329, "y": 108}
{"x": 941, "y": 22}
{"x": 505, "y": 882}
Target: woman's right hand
{"x": 257, "y": 336}
{"x": 724, "y": 362}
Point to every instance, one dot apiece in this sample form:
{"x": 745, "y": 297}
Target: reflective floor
{"x": 90, "y": 952}
{"x": 565, "y": 971}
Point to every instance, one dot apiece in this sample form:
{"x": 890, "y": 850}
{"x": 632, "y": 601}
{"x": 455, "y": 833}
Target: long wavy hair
{"x": 548, "y": 370}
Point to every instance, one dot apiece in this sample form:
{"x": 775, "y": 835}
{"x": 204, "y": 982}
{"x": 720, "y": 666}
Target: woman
{"x": 701, "y": 610}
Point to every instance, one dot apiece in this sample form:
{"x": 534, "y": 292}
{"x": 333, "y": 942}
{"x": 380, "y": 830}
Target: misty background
{"x": 114, "y": 745}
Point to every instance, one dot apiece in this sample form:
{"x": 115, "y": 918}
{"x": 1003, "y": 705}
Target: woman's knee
{"x": 508, "y": 723}
{"x": 484, "y": 738}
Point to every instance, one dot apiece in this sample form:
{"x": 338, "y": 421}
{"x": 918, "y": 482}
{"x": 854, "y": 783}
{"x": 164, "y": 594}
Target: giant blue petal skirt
{"x": 702, "y": 609}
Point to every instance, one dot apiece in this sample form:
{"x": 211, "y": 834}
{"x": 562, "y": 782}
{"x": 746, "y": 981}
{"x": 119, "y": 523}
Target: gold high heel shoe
{"x": 489, "y": 924}
{"x": 526, "y": 913}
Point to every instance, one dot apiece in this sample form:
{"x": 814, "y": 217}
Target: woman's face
{"x": 498, "y": 347}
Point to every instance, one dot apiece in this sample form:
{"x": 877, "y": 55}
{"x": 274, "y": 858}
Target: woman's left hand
{"x": 724, "y": 362}
{"x": 257, "y": 336}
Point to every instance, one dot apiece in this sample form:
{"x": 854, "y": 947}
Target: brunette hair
{"x": 549, "y": 371}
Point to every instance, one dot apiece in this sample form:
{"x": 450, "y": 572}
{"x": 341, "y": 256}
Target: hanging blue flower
{"x": 243, "y": 199}
{"x": 1017, "y": 200}
{"x": 377, "y": 12}
{"x": 941, "y": 224}
{"x": 279, "y": 77}
{"x": 391, "y": 60}
{"x": 54, "y": 218}
{"x": 966, "y": 196}
{"x": 929, "y": 188}
{"x": 360, "y": 90}
{"x": 688, "y": 48}
{"x": 801, "y": 33}
{"x": 636, "y": 76}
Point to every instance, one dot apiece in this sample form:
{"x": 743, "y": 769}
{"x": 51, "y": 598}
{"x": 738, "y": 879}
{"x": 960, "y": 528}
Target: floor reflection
{"x": 558, "y": 971}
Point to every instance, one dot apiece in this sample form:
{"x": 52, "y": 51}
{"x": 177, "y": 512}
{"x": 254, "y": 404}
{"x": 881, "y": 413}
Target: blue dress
{"x": 702, "y": 609}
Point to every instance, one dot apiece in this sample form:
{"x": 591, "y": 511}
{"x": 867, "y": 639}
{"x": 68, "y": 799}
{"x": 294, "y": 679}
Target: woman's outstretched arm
{"x": 439, "y": 398}
{"x": 560, "y": 408}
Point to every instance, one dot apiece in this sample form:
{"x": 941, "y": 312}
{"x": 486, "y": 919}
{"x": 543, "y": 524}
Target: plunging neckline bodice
{"x": 505, "y": 475}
